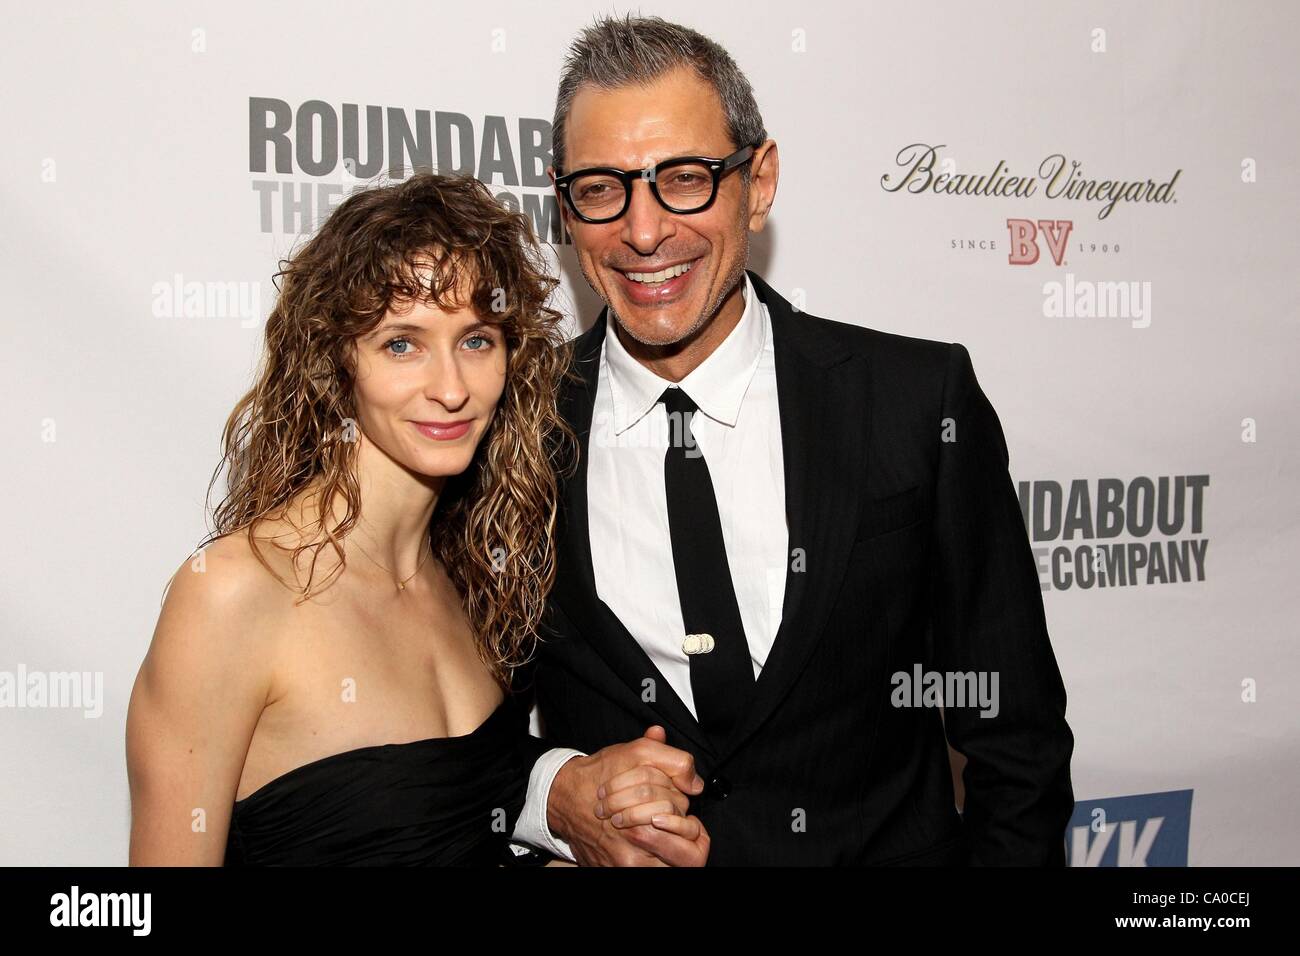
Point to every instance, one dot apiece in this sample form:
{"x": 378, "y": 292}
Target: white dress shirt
{"x": 738, "y": 431}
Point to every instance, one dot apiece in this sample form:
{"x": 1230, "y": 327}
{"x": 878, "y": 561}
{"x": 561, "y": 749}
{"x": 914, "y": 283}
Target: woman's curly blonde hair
{"x": 493, "y": 526}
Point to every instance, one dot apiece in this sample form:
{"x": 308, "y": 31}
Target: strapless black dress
{"x": 445, "y": 801}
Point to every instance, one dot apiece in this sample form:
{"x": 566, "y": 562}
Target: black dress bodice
{"x": 444, "y": 801}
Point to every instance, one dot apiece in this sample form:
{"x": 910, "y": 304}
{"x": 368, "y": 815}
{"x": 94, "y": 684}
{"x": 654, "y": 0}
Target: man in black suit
{"x": 818, "y": 515}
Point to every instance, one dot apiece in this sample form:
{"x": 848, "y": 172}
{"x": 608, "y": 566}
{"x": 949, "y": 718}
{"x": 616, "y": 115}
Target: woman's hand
{"x": 636, "y": 796}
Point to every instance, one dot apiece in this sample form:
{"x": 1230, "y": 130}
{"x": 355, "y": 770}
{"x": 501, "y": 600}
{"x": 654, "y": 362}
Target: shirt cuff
{"x": 531, "y": 827}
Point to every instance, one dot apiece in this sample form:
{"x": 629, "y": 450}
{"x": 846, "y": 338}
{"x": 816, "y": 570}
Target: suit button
{"x": 719, "y": 787}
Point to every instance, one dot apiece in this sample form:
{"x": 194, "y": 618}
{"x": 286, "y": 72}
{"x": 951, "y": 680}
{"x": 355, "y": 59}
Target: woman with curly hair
{"x": 328, "y": 680}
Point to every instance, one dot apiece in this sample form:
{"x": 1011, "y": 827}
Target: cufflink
{"x": 698, "y": 644}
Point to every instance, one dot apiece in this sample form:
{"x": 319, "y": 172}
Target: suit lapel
{"x": 824, "y": 409}
{"x": 575, "y": 584}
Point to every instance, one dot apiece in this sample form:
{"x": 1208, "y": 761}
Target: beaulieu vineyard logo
{"x": 1057, "y": 177}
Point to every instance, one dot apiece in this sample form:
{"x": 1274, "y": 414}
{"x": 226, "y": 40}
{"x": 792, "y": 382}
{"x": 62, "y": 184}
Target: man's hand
{"x": 644, "y": 783}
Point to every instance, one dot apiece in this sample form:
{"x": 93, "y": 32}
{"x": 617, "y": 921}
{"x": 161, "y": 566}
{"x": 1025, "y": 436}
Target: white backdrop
{"x": 129, "y": 134}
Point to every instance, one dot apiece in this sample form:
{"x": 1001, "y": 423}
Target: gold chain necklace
{"x": 400, "y": 582}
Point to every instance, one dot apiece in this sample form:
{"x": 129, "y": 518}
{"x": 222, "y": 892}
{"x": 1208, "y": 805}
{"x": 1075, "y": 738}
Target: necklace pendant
{"x": 401, "y": 586}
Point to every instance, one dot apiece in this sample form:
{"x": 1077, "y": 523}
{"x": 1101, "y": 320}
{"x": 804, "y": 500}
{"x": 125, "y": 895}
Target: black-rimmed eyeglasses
{"x": 684, "y": 184}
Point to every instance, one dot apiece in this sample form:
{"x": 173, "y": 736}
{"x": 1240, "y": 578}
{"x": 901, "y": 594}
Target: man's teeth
{"x": 671, "y": 272}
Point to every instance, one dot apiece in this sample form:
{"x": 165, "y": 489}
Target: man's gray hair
{"x": 613, "y": 53}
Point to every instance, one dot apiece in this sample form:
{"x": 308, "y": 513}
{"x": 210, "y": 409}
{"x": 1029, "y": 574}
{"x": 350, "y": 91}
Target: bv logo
{"x": 1146, "y": 829}
{"x": 1024, "y": 239}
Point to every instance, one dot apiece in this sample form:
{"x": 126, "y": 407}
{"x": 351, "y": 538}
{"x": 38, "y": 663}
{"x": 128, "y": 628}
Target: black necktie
{"x": 722, "y": 674}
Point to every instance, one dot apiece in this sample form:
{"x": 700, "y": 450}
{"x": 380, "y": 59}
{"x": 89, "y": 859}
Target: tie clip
{"x": 698, "y": 644}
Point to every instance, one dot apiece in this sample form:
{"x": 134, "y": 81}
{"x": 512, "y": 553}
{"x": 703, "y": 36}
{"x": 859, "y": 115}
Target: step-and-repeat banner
{"x": 1097, "y": 199}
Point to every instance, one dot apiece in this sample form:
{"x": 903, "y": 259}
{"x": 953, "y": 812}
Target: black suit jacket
{"x": 906, "y": 549}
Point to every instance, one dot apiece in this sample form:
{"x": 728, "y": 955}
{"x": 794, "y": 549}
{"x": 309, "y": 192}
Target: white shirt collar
{"x": 717, "y": 385}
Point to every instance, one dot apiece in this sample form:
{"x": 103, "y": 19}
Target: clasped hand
{"x": 627, "y": 805}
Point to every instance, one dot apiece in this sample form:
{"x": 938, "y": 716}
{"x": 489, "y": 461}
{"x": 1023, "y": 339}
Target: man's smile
{"x": 664, "y": 284}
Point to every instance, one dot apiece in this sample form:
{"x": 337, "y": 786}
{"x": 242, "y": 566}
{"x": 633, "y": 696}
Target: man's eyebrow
{"x": 676, "y": 155}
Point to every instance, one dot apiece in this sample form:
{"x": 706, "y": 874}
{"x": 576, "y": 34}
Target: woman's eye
{"x": 476, "y": 337}
{"x": 406, "y": 348}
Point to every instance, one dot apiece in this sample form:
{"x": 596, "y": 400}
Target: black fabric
{"x": 444, "y": 801}
{"x": 906, "y": 548}
{"x": 722, "y": 680}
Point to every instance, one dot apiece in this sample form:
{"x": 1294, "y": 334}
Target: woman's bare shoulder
{"x": 241, "y": 590}
{"x": 261, "y": 568}
{"x": 226, "y": 577}
{"x": 222, "y": 621}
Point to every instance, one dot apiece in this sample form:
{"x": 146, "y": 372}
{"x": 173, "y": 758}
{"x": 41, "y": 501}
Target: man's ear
{"x": 764, "y": 174}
